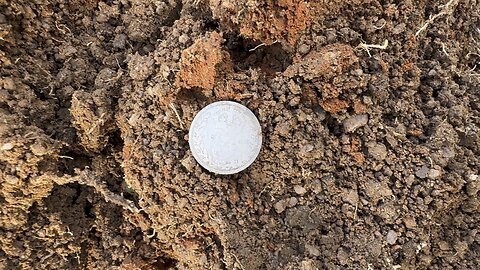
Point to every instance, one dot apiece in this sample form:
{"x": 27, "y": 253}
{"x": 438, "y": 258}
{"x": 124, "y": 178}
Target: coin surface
{"x": 225, "y": 137}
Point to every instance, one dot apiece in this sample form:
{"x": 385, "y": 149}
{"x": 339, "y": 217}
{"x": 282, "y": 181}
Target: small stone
{"x": 350, "y": 196}
{"x": 434, "y": 174}
{"x": 189, "y": 163}
{"x": 377, "y": 150}
{"x": 309, "y": 264}
{"x": 422, "y": 172}
{"x": 410, "y": 180}
{"x": 299, "y": 190}
{"x": 9, "y": 84}
{"x": 306, "y": 148}
{"x": 312, "y": 250}
{"x": 399, "y": 29}
{"x": 119, "y": 41}
{"x": 12, "y": 180}
{"x": 292, "y": 201}
{"x": 38, "y": 149}
{"x": 304, "y": 49}
{"x": 354, "y": 122}
{"x": 410, "y": 222}
{"x": 443, "y": 245}
{"x": 7, "y": 146}
{"x": 391, "y": 237}
{"x": 280, "y": 206}
{"x": 342, "y": 256}
{"x": 316, "y": 186}
{"x": 183, "y": 39}
{"x": 367, "y": 100}
{"x": 474, "y": 186}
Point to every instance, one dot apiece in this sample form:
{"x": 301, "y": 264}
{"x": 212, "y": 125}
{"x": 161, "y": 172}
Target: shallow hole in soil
{"x": 333, "y": 126}
{"x": 71, "y": 204}
{"x": 175, "y": 14}
{"x": 247, "y": 53}
{"x": 389, "y": 119}
{"x": 164, "y": 263}
{"x": 191, "y": 95}
{"x": 71, "y": 161}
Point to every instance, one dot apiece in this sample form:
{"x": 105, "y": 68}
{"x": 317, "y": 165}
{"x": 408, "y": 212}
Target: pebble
{"x": 399, "y": 29}
{"x": 433, "y": 173}
{"x": 367, "y": 100}
{"x": 354, "y": 122}
{"x": 312, "y": 250}
{"x": 189, "y": 163}
{"x": 292, "y": 201}
{"x": 422, "y": 172}
{"x": 443, "y": 245}
{"x": 38, "y": 149}
{"x": 309, "y": 264}
{"x": 280, "y": 206}
{"x": 410, "y": 180}
{"x": 119, "y": 41}
{"x": 377, "y": 150}
{"x": 306, "y": 148}
{"x": 350, "y": 196}
{"x": 7, "y": 146}
{"x": 474, "y": 186}
{"x": 12, "y": 180}
{"x": 410, "y": 222}
{"x": 342, "y": 256}
{"x": 316, "y": 186}
{"x": 9, "y": 84}
{"x": 184, "y": 38}
{"x": 304, "y": 49}
{"x": 299, "y": 190}
{"x": 391, "y": 237}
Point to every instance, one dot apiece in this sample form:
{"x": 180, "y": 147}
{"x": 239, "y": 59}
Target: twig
{"x": 380, "y": 27}
{"x": 261, "y": 45}
{"x": 172, "y": 106}
{"x": 88, "y": 178}
{"x": 367, "y": 47}
{"x": 153, "y": 233}
{"x": 443, "y": 49}
{"x": 446, "y": 9}
{"x": 238, "y": 261}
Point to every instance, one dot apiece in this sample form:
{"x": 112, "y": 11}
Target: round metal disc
{"x": 225, "y": 137}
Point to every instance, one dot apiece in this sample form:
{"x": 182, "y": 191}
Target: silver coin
{"x": 225, "y": 137}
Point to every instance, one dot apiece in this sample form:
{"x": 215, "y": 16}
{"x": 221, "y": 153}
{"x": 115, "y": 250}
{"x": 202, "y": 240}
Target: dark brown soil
{"x": 371, "y": 129}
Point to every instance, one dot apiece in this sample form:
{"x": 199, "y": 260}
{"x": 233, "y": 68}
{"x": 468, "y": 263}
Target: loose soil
{"x": 371, "y": 130}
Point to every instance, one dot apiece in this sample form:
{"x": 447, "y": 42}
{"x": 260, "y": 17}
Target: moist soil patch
{"x": 370, "y": 112}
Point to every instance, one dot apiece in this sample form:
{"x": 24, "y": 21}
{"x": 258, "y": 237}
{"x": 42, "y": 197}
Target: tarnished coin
{"x": 225, "y": 137}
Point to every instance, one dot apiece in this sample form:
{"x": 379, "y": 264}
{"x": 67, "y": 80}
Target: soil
{"x": 370, "y": 113}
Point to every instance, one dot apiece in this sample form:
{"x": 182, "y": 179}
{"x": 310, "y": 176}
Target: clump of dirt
{"x": 265, "y": 21}
{"x": 202, "y": 63}
{"x": 370, "y": 153}
{"x": 327, "y": 70}
{"x": 93, "y": 118}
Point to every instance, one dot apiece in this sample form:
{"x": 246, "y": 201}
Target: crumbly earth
{"x": 370, "y": 113}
